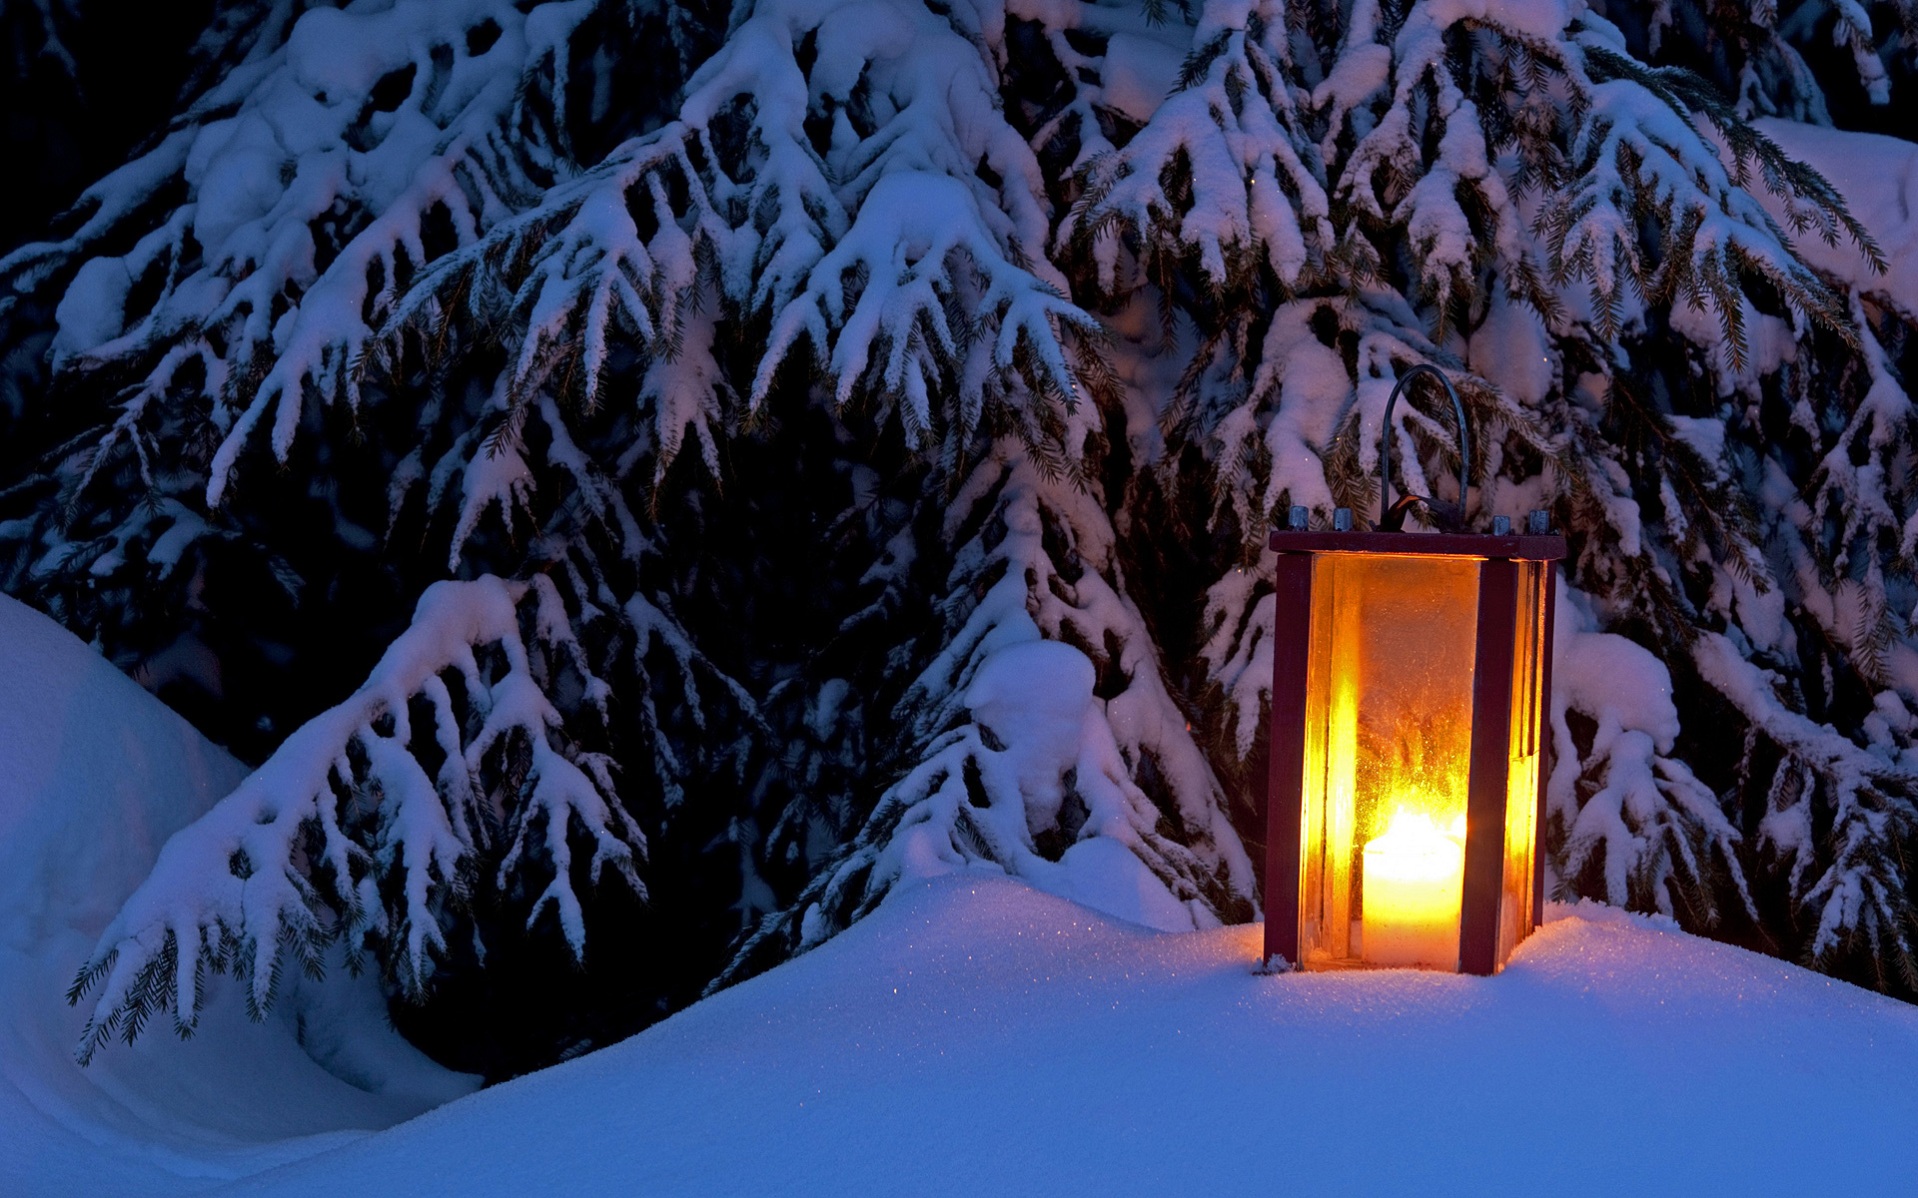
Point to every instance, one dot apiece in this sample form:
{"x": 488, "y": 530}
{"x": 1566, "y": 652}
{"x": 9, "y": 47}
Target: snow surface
{"x": 974, "y": 1036}
{"x": 97, "y": 773}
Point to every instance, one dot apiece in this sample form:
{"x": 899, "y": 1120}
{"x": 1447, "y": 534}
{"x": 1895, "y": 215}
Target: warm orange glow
{"x": 1405, "y": 720}
{"x": 1414, "y": 879}
{"x": 1516, "y": 916}
{"x": 1388, "y": 736}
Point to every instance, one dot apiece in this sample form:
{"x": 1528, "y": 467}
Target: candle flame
{"x": 1415, "y": 848}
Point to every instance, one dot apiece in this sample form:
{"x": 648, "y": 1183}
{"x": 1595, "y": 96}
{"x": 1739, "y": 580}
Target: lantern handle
{"x": 1392, "y": 516}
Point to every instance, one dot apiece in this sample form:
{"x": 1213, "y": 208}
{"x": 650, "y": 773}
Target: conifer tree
{"x": 643, "y": 516}
{"x": 1582, "y": 233}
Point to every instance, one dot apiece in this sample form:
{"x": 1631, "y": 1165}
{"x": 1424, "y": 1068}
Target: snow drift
{"x": 974, "y": 1036}
{"x": 96, "y": 775}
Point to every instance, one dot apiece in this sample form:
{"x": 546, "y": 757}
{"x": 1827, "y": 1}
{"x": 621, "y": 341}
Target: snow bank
{"x": 974, "y": 1036}
{"x": 97, "y": 774}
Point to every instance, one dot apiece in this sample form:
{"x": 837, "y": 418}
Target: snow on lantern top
{"x": 1409, "y": 695}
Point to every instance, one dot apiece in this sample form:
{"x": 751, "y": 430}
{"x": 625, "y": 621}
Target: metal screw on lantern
{"x": 1341, "y": 519}
{"x": 1390, "y": 515}
{"x": 1297, "y": 519}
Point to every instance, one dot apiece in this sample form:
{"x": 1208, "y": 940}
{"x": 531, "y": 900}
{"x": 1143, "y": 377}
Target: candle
{"x": 1413, "y": 882}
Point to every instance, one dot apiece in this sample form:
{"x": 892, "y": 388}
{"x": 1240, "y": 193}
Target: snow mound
{"x": 97, "y": 775}
{"x": 975, "y": 1036}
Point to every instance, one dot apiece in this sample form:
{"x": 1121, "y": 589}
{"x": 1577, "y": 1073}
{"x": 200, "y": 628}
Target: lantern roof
{"x": 1525, "y": 547}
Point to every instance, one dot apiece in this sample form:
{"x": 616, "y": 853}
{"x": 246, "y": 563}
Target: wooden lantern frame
{"x": 1483, "y": 943}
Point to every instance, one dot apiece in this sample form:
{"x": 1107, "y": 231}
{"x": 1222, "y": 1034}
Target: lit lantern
{"x": 1409, "y": 693}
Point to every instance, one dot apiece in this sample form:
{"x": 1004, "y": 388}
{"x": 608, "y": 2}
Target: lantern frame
{"x": 1483, "y": 943}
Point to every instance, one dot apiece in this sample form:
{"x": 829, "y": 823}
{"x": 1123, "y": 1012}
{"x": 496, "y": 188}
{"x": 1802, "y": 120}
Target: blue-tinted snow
{"x": 976, "y": 1037}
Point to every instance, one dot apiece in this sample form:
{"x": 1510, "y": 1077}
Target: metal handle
{"x": 1385, "y": 438}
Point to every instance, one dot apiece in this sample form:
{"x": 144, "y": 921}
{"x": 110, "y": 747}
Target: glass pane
{"x": 1516, "y": 917}
{"x": 1388, "y": 751}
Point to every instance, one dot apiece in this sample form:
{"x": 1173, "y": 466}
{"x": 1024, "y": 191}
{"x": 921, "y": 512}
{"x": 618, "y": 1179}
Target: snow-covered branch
{"x": 319, "y": 180}
{"x": 1053, "y": 751}
{"x": 1856, "y": 885}
{"x": 370, "y": 822}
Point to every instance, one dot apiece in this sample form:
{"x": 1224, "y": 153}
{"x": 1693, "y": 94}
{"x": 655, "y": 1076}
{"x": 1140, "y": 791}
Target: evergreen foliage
{"x": 645, "y": 480}
{"x": 1810, "y": 60}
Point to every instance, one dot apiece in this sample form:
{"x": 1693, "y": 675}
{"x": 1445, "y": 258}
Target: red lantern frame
{"x": 1507, "y": 697}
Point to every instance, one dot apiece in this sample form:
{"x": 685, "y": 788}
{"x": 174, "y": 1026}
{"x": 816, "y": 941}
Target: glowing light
{"x": 1413, "y": 883}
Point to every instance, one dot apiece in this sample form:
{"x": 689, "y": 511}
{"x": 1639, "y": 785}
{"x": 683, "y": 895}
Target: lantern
{"x": 1409, "y": 698}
